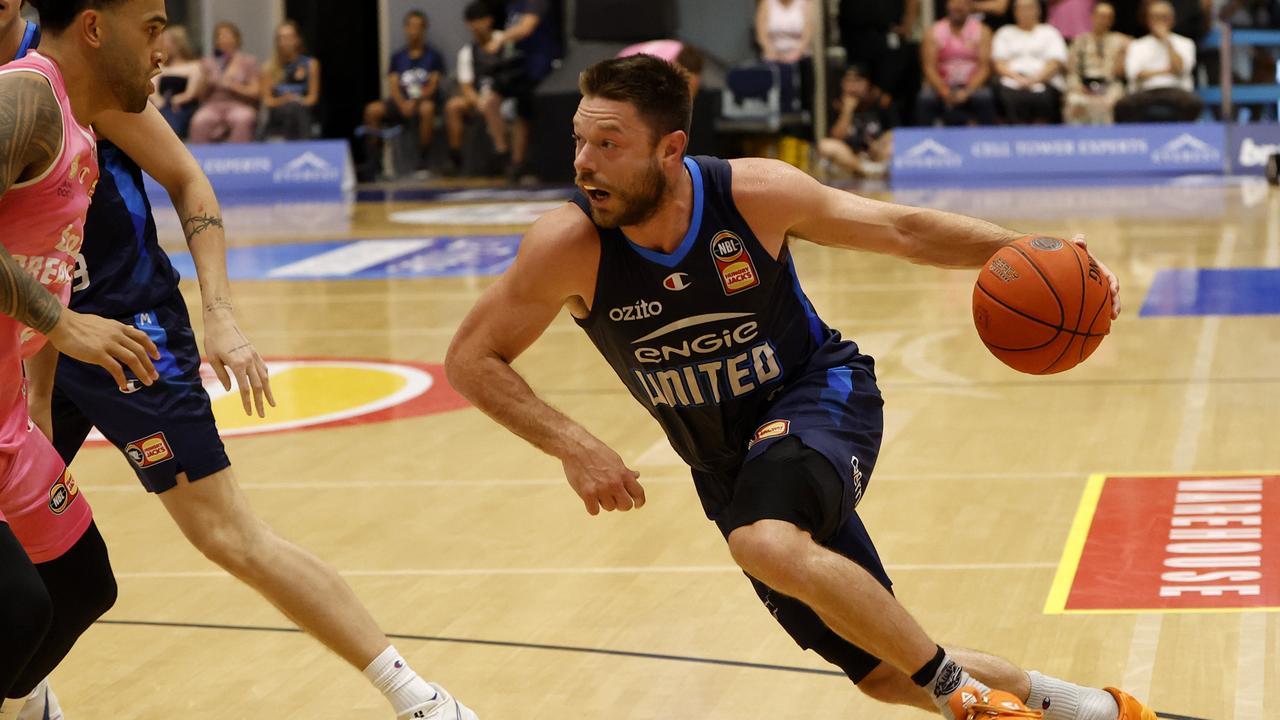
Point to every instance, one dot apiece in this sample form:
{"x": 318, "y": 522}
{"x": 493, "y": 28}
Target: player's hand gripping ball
{"x": 1042, "y": 305}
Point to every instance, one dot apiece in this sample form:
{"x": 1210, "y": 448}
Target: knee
{"x": 456, "y": 106}
{"x": 427, "y": 110}
{"x": 230, "y": 543}
{"x": 773, "y": 552}
{"x": 374, "y": 112}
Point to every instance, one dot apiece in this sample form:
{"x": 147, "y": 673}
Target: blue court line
{"x": 533, "y": 646}
{"x": 1213, "y": 291}
{"x": 499, "y": 643}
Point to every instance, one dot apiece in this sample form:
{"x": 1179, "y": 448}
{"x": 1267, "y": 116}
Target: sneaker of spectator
{"x": 178, "y": 86}
{"x": 230, "y": 91}
{"x": 290, "y": 87}
{"x": 861, "y": 137}
{"x": 956, "y": 57}
{"x": 1029, "y": 58}
{"x": 1159, "y": 68}
{"x": 1095, "y": 70}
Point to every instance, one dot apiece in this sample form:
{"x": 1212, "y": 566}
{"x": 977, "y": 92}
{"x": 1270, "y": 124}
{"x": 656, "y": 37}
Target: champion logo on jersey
{"x": 733, "y": 263}
{"x": 676, "y": 281}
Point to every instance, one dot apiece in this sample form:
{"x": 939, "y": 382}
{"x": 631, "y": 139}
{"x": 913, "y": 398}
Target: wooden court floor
{"x": 470, "y": 546}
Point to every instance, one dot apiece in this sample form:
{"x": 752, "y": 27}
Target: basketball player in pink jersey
{"x": 55, "y": 577}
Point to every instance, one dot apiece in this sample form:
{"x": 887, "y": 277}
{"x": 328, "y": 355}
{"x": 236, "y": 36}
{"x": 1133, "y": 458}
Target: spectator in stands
{"x": 1159, "y": 67}
{"x": 178, "y": 86}
{"x": 478, "y": 75}
{"x": 413, "y": 85}
{"x": 290, "y": 87}
{"x": 956, "y": 55}
{"x": 1029, "y": 58}
{"x": 880, "y": 36}
{"x": 530, "y": 36}
{"x": 686, "y": 56}
{"x": 1071, "y": 17}
{"x": 784, "y": 29}
{"x": 229, "y": 107}
{"x": 1095, "y": 70}
{"x": 861, "y": 138}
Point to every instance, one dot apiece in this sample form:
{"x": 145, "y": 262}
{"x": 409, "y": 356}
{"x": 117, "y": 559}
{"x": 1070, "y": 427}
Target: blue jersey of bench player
{"x": 122, "y": 273}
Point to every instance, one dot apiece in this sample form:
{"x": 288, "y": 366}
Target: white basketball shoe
{"x": 444, "y": 707}
{"x": 43, "y": 705}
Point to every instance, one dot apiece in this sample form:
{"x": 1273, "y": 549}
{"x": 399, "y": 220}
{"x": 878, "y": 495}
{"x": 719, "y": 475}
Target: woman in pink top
{"x": 956, "y": 56}
{"x": 229, "y": 108}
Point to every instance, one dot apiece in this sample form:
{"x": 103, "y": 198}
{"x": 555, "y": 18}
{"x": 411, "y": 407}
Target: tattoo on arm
{"x": 197, "y": 224}
{"x": 30, "y": 139}
{"x": 218, "y": 303}
{"x": 23, "y": 298}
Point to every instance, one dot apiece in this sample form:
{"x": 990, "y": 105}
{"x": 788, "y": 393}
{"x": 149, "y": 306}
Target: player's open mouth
{"x": 596, "y": 194}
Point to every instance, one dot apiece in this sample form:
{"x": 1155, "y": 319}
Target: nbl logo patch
{"x": 63, "y": 493}
{"x": 770, "y": 430}
{"x": 150, "y": 450}
{"x": 733, "y": 263}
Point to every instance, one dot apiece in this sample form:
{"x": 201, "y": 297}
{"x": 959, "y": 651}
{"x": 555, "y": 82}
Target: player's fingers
{"x": 113, "y": 368}
{"x": 144, "y": 340}
{"x": 220, "y": 369}
{"x": 605, "y": 497}
{"x": 635, "y": 490}
{"x": 256, "y": 383}
{"x": 265, "y": 376}
{"x": 622, "y": 498}
{"x": 135, "y": 357}
{"x": 242, "y": 381}
{"x": 593, "y": 507}
{"x": 1078, "y": 239}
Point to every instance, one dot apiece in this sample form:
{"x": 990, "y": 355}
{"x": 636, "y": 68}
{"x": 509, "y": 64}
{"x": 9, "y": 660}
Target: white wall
{"x": 257, "y": 20}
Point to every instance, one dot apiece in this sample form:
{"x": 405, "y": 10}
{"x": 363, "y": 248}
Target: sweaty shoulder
{"x": 561, "y": 253}
{"x": 30, "y": 126}
{"x": 772, "y": 197}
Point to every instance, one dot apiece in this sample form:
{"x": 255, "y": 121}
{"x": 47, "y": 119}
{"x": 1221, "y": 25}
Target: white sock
{"x": 402, "y": 687}
{"x": 1061, "y": 700}
{"x": 949, "y": 678}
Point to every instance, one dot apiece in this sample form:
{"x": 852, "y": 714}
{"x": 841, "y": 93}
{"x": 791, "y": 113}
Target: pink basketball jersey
{"x": 42, "y": 221}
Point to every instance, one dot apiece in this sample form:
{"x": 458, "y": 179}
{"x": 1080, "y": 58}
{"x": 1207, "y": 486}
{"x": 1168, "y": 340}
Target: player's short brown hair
{"x": 659, "y": 90}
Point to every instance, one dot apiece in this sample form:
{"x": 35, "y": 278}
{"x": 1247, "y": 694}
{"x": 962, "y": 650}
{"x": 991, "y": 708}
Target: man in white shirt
{"x": 1158, "y": 67}
{"x": 1029, "y": 57}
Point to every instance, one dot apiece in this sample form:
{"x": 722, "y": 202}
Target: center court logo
{"x": 1186, "y": 149}
{"x": 307, "y": 167}
{"x": 930, "y": 153}
{"x": 313, "y": 394}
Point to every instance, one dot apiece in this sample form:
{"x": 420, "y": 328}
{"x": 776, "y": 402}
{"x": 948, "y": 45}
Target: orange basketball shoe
{"x": 1130, "y": 708}
{"x": 968, "y": 703}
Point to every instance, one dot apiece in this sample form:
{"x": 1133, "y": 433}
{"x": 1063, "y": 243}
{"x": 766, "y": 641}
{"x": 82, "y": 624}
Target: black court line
{"x": 533, "y": 646}
{"x": 499, "y": 643}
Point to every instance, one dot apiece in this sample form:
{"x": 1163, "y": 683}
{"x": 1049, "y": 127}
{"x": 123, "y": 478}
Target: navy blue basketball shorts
{"x": 163, "y": 430}
{"x": 809, "y": 464}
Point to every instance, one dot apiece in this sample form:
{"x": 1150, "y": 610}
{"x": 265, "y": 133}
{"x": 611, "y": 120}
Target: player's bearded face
{"x": 631, "y": 201}
{"x": 129, "y": 62}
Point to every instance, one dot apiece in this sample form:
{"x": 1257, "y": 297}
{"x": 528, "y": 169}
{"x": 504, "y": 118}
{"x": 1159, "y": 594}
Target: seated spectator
{"x": 861, "y": 138}
{"x": 1029, "y": 57}
{"x": 290, "y": 87}
{"x": 414, "y": 88}
{"x": 956, "y": 55}
{"x": 229, "y": 104}
{"x": 784, "y": 30}
{"x": 529, "y": 36}
{"x": 178, "y": 86}
{"x": 880, "y": 35}
{"x": 686, "y": 56}
{"x": 479, "y": 72}
{"x": 1095, "y": 70}
{"x": 1159, "y": 67}
{"x": 1072, "y": 18}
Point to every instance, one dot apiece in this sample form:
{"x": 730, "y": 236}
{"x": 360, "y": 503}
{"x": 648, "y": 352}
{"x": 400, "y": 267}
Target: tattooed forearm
{"x": 25, "y": 299}
{"x": 197, "y": 224}
{"x": 218, "y": 303}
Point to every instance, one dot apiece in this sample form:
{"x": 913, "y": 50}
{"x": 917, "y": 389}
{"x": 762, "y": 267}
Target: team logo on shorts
{"x": 733, "y": 263}
{"x": 63, "y": 493}
{"x": 150, "y": 450}
{"x": 771, "y": 429}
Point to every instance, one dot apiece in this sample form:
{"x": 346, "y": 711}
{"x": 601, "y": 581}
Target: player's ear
{"x": 89, "y": 25}
{"x": 672, "y": 145}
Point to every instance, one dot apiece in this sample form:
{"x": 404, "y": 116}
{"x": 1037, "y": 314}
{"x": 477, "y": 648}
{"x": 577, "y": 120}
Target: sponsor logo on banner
{"x": 930, "y": 153}
{"x": 1253, "y": 155}
{"x": 1186, "y": 149}
{"x": 307, "y": 168}
{"x": 1252, "y": 145}
{"x": 150, "y": 450}
{"x": 733, "y": 263}
{"x": 676, "y": 281}
{"x": 769, "y": 430}
{"x": 63, "y": 493}
{"x": 1172, "y": 544}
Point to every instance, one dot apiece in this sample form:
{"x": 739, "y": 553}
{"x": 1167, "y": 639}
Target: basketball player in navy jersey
{"x": 167, "y": 430}
{"x": 679, "y": 271}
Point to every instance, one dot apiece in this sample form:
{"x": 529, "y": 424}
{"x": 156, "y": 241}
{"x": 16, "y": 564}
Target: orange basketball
{"x": 1041, "y": 305}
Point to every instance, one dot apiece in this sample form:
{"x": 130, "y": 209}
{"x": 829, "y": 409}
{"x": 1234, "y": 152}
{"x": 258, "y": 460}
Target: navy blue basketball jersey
{"x": 121, "y": 271}
{"x": 708, "y": 336}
